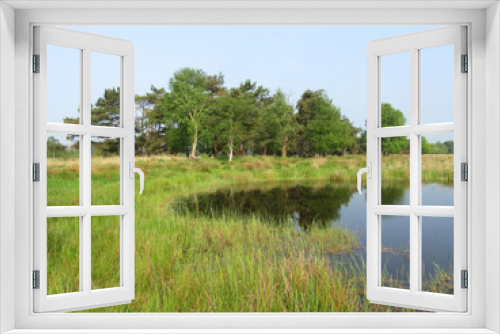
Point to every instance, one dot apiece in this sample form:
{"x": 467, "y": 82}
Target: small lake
{"x": 331, "y": 205}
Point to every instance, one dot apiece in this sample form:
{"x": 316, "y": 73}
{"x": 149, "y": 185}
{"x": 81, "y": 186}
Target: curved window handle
{"x": 133, "y": 170}
{"x": 368, "y": 171}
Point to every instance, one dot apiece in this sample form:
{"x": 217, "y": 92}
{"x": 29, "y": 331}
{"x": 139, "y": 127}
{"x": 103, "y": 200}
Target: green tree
{"x": 450, "y": 146}
{"x": 210, "y": 138}
{"x": 54, "y": 147}
{"x": 260, "y": 98}
{"x": 362, "y": 142}
{"x": 351, "y": 143}
{"x": 265, "y": 132}
{"x": 446, "y": 147}
{"x": 393, "y": 117}
{"x": 106, "y": 147}
{"x": 179, "y": 138}
{"x": 426, "y": 148}
{"x": 283, "y": 119}
{"x": 306, "y": 110}
{"x": 327, "y": 132}
{"x": 189, "y": 102}
{"x": 150, "y": 128}
{"x": 233, "y": 108}
{"x": 106, "y": 111}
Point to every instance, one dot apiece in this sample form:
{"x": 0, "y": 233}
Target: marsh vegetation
{"x": 223, "y": 236}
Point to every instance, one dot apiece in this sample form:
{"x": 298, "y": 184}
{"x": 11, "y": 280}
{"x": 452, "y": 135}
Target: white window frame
{"x": 413, "y": 44}
{"x": 86, "y": 44}
{"x": 483, "y": 100}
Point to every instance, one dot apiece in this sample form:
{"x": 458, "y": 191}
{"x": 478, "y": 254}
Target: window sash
{"x": 414, "y": 298}
{"x": 86, "y": 297}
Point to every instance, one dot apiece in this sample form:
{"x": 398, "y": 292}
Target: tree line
{"x": 199, "y": 115}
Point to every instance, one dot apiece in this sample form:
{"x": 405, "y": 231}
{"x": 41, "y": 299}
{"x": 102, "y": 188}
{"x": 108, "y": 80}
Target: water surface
{"x": 332, "y": 205}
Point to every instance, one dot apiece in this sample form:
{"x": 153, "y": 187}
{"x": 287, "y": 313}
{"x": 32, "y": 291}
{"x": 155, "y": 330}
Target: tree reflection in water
{"x": 305, "y": 204}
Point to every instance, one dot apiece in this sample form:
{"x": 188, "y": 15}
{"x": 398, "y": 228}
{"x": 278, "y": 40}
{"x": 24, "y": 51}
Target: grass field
{"x": 221, "y": 264}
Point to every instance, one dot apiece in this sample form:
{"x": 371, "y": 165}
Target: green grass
{"x": 221, "y": 264}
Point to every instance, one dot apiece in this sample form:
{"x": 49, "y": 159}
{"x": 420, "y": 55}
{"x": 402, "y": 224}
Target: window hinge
{"x": 464, "y": 171}
{"x": 36, "y": 172}
{"x": 465, "y": 279}
{"x": 36, "y": 63}
{"x": 465, "y": 64}
{"x": 36, "y": 279}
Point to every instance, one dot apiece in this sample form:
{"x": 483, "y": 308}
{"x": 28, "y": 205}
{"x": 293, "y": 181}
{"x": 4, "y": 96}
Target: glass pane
{"x": 63, "y": 169}
{"x": 437, "y": 169}
{"x": 63, "y": 84}
{"x": 437, "y": 84}
{"x": 105, "y": 171}
{"x": 395, "y": 167}
{"x": 63, "y": 255}
{"x": 437, "y": 254}
{"x": 105, "y": 89}
{"x": 396, "y": 251}
{"x": 105, "y": 252}
{"x": 395, "y": 89}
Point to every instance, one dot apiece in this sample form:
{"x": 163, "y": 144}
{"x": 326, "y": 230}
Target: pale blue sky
{"x": 293, "y": 58}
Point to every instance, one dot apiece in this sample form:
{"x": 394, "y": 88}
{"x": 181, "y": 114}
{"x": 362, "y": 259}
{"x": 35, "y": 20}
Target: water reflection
{"x": 306, "y": 204}
{"x": 329, "y": 205}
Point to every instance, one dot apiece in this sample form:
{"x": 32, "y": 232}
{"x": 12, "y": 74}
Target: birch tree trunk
{"x": 195, "y": 141}
{"x": 231, "y": 148}
{"x": 284, "y": 152}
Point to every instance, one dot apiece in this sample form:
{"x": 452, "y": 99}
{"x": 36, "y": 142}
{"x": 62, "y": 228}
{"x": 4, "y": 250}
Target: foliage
{"x": 260, "y": 99}
{"x": 232, "y": 108}
{"x": 54, "y": 145}
{"x": 393, "y": 117}
{"x": 276, "y": 129}
{"x": 446, "y": 147}
{"x": 189, "y": 101}
{"x": 306, "y": 109}
{"x": 150, "y": 128}
{"x": 197, "y": 115}
{"x": 328, "y": 132}
{"x": 55, "y": 149}
{"x": 285, "y": 121}
{"x": 106, "y": 111}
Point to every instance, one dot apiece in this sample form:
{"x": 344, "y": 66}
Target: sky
{"x": 290, "y": 58}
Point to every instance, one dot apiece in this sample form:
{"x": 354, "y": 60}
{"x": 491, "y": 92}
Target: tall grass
{"x": 228, "y": 263}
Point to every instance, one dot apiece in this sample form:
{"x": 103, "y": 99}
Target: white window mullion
{"x": 85, "y": 237}
{"x": 414, "y": 171}
{"x": 405, "y": 210}
{"x": 422, "y": 129}
{"x": 85, "y": 246}
{"x": 127, "y": 277}
{"x": 429, "y": 129}
{"x": 392, "y": 210}
{"x": 81, "y": 220}
{"x": 372, "y": 184}
{"x": 86, "y": 166}
{"x": 395, "y": 131}
{"x": 74, "y": 129}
